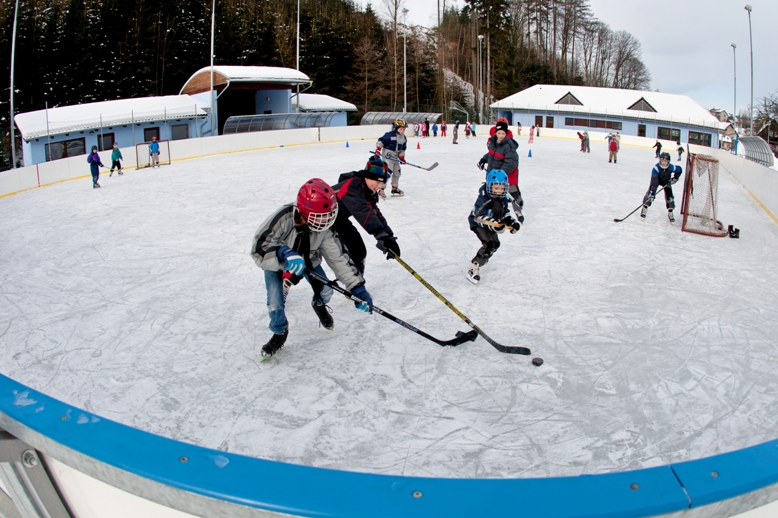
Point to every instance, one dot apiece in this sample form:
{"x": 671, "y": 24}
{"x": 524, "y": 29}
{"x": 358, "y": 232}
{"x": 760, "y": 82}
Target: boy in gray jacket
{"x": 296, "y": 238}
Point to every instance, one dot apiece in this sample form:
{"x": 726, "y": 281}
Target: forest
{"x": 78, "y": 51}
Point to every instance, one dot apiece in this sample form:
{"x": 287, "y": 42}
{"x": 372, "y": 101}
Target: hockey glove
{"x": 513, "y": 224}
{"x": 387, "y": 243}
{"x": 481, "y": 164}
{"x": 401, "y": 159}
{"x": 367, "y": 301}
{"x": 496, "y": 226}
{"x": 293, "y": 262}
{"x": 377, "y": 151}
{"x": 674, "y": 180}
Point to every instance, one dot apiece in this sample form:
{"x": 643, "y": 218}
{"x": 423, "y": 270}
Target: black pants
{"x": 352, "y": 241}
{"x": 490, "y": 242}
{"x": 669, "y": 198}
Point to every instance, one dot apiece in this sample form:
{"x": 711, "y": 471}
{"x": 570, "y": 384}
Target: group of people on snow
{"x": 95, "y": 162}
{"x": 292, "y": 242}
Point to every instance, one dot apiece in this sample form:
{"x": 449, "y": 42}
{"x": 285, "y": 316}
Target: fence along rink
{"x": 700, "y": 197}
{"x": 143, "y": 157}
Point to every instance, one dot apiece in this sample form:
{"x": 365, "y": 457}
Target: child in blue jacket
{"x": 94, "y": 165}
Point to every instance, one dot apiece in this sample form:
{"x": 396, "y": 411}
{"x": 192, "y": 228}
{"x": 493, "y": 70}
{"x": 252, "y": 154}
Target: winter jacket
{"x": 488, "y": 207}
{"x": 154, "y": 147}
{"x": 94, "y": 162}
{"x": 614, "y": 145}
{"x": 116, "y": 155}
{"x": 356, "y": 199}
{"x": 503, "y": 155}
{"x": 279, "y": 230}
{"x": 661, "y": 176}
{"x": 393, "y": 143}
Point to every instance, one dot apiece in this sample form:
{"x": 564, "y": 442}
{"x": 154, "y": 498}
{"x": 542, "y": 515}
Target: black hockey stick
{"x": 430, "y": 168}
{"x": 634, "y": 211}
{"x": 461, "y": 338}
{"x": 508, "y": 349}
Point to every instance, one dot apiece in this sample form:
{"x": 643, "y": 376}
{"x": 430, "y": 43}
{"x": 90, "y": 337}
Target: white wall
{"x": 48, "y": 173}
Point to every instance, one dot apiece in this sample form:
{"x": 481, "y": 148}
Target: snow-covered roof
{"x": 224, "y": 75}
{"x": 80, "y": 117}
{"x": 322, "y": 103}
{"x": 611, "y": 102}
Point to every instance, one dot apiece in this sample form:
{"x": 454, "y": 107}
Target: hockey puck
{"x": 537, "y": 362}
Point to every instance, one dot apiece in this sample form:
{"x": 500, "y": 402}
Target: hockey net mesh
{"x": 700, "y": 197}
{"x": 143, "y": 156}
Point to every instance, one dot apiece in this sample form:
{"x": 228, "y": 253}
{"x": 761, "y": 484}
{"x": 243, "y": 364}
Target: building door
{"x": 641, "y": 130}
{"x": 539, "y": 120}
{"x": 549, "y": 122}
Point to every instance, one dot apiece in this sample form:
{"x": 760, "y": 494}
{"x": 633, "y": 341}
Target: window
{"x": 569, "y": 98}
{"x": 668, "y": 134}
{"x": 538, "y": 120}
{"x": 549, "y": 122}
{"x": 105, "y": 141}
{"x": 701, "y": 139}
{"x": 642, "y": 105}
{"x": 641, "y": 130}
{"x": 67, "y": 148}
{"x": 150, "y": 132}
{"x": 179, "y": 131}
{"x": 591, "y": 123}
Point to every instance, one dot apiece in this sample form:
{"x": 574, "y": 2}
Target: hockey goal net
{"x": 700, "y": 197}
{"x": 143, "y": 155}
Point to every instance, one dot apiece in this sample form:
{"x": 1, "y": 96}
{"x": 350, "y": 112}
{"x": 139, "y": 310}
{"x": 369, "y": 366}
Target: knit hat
{"x": 376, "y": 169}
{"x": 501, "y": 125}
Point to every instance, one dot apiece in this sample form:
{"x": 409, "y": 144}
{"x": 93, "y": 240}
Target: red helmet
{"x": 317, "y": 202}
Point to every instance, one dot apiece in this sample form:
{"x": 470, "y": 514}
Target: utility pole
{"x": 751, "y": 40}
{"x": 734, "y": 61}
{"x": 13, "y": 54}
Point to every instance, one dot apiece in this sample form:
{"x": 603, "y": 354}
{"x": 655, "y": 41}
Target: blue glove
{"x": 293, "y": 263}
{"x": 361, "y": 293}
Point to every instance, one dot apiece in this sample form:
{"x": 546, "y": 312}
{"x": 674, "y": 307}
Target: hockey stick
{"x": 430, "y": 168}
{"x": 508, "y": 349}
{"x": 493, "y": 223}
{"x": 638, "y": 208}
{"x": 461, "y": 338}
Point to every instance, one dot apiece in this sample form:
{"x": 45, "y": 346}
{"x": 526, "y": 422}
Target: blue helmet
{"x": 497, "y": 177}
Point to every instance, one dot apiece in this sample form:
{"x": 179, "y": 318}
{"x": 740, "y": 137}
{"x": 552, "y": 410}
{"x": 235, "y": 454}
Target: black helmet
{"x": 664, "y": 155}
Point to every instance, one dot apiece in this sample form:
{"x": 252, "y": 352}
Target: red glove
{"x": 377, "y": 151}
{"x": 401, "y": 159}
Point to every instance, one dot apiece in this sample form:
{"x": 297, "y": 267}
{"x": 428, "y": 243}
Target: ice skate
{"x": 473, "y": 274}
{"x": 670, "y": 215}
{"x": 111, "y": 174}
{"x": 397, "y": 191}
{"x": 95, "y": 185}
{"x": 275, "y": 343}
{"x": 121, "y": 174}
{"x": 382, "y": 194}
{"x": 325, "y": 318}
{"x": 643, "y": 212}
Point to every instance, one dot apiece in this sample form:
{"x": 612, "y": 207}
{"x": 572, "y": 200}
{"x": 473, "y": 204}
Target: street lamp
{"x": 751, "y": 40}
{"x": 734, "y": 61}
{"x": 405, "y": 61}
{"x": 13, "y": 52}
{"x": 480, "y": 79}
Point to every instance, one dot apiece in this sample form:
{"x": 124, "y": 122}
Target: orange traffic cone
{"x": 418, "y": 145}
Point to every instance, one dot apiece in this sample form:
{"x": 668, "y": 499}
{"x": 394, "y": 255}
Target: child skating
{"x": 490, "y": 216}
{"x": 664, "y": 174}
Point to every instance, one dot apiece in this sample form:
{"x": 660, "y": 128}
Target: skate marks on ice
{"x": 139, "y": 302}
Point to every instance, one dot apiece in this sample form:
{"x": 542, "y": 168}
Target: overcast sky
{"x": 686, "y": 43}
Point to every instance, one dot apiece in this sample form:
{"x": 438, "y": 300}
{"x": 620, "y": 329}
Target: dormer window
{"x": 569, "y": 98}
{"x": 643, "y": 106}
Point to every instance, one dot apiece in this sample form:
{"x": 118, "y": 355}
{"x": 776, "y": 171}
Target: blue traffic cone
{"x": 530, "y": 154}
{"x": 347, "y": 143}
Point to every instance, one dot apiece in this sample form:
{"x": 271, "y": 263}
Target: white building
{"x": 630, "y": 112}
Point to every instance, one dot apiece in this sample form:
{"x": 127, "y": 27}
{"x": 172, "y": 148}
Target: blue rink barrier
{"x": 209, "y": 482}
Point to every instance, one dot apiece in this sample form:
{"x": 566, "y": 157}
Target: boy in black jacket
{"x": 357, "y": 194}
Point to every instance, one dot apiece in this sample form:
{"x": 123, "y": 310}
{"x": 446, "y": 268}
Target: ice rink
{"x": 140, "y": 302}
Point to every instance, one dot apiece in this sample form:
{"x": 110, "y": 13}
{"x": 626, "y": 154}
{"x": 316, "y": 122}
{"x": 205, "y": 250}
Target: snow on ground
{"x": 139, "y": 302}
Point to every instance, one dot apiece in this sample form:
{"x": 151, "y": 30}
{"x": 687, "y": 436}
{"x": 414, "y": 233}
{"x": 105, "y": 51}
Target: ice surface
{"x": 139, "y": 302}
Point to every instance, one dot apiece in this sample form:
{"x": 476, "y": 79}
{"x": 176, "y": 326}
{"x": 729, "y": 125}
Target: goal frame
{"x": 705, "y": 224}
{"x": 143, "y": 158}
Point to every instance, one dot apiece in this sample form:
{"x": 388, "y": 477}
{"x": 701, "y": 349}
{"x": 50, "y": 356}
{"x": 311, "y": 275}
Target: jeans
{"x": 275, "y": 299}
